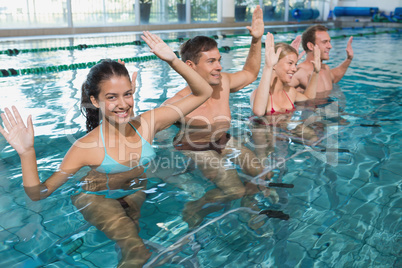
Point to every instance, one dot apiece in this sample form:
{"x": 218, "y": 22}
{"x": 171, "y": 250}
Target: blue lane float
{"x": 305, "y": 13}
{"x": 395, "y": 16}
{"x": 355, "y": 11}
{"x": 397, "y": 13}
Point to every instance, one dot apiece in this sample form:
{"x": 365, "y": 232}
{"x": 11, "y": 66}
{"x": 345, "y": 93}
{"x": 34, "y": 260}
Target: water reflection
{"x": 332, "y": 208}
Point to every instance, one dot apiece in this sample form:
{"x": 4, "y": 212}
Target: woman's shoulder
{"x": 86, "y": 150}
{"x": 290, "y": 90}
{"x": 91, "y": 136}
{"x": 138, "y": 120}
{"x": 292, "y": 93}
{"x": 88, "y": 143}
{"x": 144, "y": 123}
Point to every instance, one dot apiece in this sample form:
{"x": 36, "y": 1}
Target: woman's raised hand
{"x": 271, "y": 58}
{"x": 19, "y": 136}
{"x": 317, "y": 59}
{"x": 133, "y": 77}
{"x": 159, "y": 47}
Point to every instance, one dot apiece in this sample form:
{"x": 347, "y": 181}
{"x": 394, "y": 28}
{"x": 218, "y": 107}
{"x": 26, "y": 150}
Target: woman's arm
{"x": 201, "y": 90}
{"x": 260, "y": 98}
{"x": 21, "y": 138}
{"x": 311, "y": 90}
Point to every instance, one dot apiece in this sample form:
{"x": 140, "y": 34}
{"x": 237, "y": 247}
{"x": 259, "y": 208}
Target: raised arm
{"x": 260, "y": 97}
{"x": 252, "y": 66}
{"x": 21, "y": 138}
{"x": 311, "y": 90}
{"x": 201, "y": 90}
{"x": 339, "y": 72}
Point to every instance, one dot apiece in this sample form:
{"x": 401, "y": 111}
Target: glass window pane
{"x": 33, "y": 14}
{"x": 244, "y": 9}
{"x": 316, "y": 13}
{"x": 104, "y": 12}
{"x": 204, "y": 11}
{"x": 277, "y": 10}
{"x": 87, "y": 13}
{"x": 119, "y": 12}
{"x": 174, "y": 11}
{"x": 273, "y": 10}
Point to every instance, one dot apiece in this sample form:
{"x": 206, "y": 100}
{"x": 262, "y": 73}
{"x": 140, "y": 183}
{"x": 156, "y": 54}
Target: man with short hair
{"x": 318, "y": 35}
{"x": 203, "y": 136}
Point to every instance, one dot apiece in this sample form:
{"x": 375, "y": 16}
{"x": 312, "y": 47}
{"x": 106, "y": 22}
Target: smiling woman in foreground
{"x": 117, "y": 148}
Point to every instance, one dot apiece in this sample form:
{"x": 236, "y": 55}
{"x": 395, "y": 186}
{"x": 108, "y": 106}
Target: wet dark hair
{"x": 103, "y": 71}
{"x": 309, "y": 35}
{"x": 192, "y": 48}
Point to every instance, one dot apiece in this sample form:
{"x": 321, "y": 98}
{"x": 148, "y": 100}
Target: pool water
{"x": 345, "y": 207}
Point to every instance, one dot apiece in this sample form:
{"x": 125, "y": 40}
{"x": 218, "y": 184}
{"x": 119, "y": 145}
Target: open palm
{"x": 349, "y": 49}
{"x": 317, "y": 59}
{"x": 271, "y": 58}
{"x": 257, "y": 23}
{"x": 159, "y": 47}
{"x": 19, "y": 136}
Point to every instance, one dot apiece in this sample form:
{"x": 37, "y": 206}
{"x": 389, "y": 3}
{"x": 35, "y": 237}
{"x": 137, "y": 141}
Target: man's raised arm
{"x": 252, "y": 66}
{"x": 339, "y": 72}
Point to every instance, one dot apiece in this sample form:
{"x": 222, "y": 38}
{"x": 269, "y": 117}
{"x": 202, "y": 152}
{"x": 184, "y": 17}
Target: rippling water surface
{"x": 345, "y": 207}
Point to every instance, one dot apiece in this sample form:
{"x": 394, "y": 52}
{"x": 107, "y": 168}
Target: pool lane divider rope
{"x": 15, "y": 51}
{"x": 75, "y": 66}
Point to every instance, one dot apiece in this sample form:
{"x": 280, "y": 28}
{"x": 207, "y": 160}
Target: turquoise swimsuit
{"x": 111, "y": 166}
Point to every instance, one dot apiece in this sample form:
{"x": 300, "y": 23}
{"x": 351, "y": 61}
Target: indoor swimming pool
{"x": 340, "y": 153}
